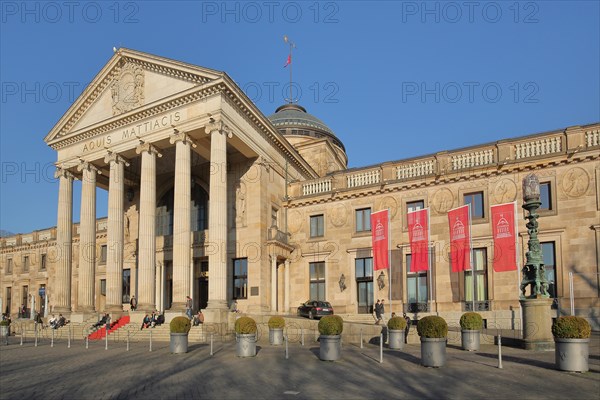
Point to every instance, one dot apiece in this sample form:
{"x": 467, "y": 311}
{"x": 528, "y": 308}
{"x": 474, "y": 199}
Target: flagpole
{"x": 429, "y": 266}
{"x": 517, "y": 256}
{"x": 471, "y": 255}
{"x": 390, "y": 257}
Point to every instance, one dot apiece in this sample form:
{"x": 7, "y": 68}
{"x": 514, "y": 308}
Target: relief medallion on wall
{"x": 390, "y": 203}
{"x": 575, "y": 182}
{"x": 338, "y": 215}
{"x": 442, "y": 201}
{"x": 505, "y": 191}
{"x": 294, "y": 221}
{"x": 127, "y": 90}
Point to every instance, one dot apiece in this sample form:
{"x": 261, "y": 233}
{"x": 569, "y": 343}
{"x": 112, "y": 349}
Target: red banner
{"x": 380, "y": 235}
{"x": 460, "y": 238}
{"x": 418, "y": 235}
{"x": 505, "y": 237}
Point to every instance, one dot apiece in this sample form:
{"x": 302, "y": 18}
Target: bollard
{"x": 52, "y": 340}
{"x": 35, "y": 333}
{"x": 87, "y": 342}
{"x": 150, "y": 341}
{"x": 302, "y": 336}
{"x": 361, "y": 339}
{"x": 127, "y": 340}
{"x": 499, "y": 351}
{"x": 380, "y": 348}
{"x": 22, "y": 333}
{"x": 286, "y": 348}
{"x": 69, "y": 338}
{"x": 106, "y": 340}
{"x": 211, "y": 344}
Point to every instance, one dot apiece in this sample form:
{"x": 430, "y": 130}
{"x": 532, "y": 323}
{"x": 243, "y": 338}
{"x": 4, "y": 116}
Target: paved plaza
{"x": 29, "y": 372}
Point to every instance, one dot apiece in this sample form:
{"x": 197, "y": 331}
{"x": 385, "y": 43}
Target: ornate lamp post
{"x": 537, "y": 319}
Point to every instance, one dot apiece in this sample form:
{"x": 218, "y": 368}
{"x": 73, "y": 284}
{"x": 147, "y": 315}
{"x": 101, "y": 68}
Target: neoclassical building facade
{"x": 210, "y": 198}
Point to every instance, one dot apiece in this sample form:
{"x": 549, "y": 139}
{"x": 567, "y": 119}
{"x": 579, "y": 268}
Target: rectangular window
{"x": 476, "y": 202}
{"x": 43, "y": 262}
{"x": 549, "y": 259}
{"x": 480, "y": 287}
{"x": 8, "y": 299}
{"x": 24, "y": 297}
{"x": 240, "y": 278}
{"x": 317, "y": 226}
{"x": 545, "y": 196}
{"x": 364, "y": 284}
{"x": 317, "y": 280}
{"x": 103, "y": 249}
{"x": 126, "y": 285}
{"x": 103, "y": 287}
{"x": 9, "y": 266}
{"x": 363, "y": 220}
{"x": 415, "y": 205}
{"x": 25, "y": 263}
{"x": 416, "y": 284}
{"x": 274, "y": 219}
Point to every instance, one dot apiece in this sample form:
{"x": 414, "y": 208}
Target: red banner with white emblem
{"x": 418, "y": 235}
{"x": 460, "y": 238}
{"x": 505, "y": 237}
{"x": 380, "y": 236}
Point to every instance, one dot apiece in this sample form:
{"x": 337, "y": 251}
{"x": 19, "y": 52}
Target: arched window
{"x": 199, "y": 211}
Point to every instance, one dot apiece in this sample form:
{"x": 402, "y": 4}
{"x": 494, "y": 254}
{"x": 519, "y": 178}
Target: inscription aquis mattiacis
{"x": 133, "y": 131}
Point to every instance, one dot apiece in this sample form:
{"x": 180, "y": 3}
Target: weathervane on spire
{"x": 289, "y": 63}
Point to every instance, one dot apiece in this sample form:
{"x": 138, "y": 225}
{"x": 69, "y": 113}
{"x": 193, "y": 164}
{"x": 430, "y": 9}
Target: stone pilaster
{"x": 147, "y": 228}
{"x": 217, "y": 217}
{"x": 87, "y": 239}
{"x": 273, "y": 283}
{"x": 115, "y": 232}
{"x": 61, "y": 293}
{"x": 286, "y": 287}
{"x": 182, "y": 241}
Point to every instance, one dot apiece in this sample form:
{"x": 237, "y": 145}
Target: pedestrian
{"x": 407, "y": 319}
{"x": 378, "y": 312}
{"x": 188, "y": 307}
{"x": 133, "y": 303}
{"x": 107, "y": 323}
{"x": 382, "y": 309}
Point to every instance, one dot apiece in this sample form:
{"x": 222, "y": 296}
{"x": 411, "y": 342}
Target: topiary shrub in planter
{"x": 433, "y": 331}
{"x": 571, "y": 340}
{"x": 330, "y": 328}
{"x": 179, "y": 328}
{"x": 396, "y": 331}
{"x": 245, "y": 337}
{"x": 471, "y": 325}
{"x": 276, "y": 325}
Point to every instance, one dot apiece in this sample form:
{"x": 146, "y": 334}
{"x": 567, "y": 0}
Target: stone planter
{"x": 433, "y": 352}
{"x": 396, "y": 339}
{"x": 572, "y": 354}
{"x": 179, "y": 343}
{"x": 4, "y": 330}
{"x": 245, "y": 345}
{"x": 331, "y": 347}
{"x": 470, "y": 340}
{"x": 276, "y": 336}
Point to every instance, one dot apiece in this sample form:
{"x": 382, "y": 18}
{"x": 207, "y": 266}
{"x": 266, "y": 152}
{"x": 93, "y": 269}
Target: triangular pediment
{"x": 130, "y": 80}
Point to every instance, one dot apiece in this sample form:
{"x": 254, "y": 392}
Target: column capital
{"x": 149, "y": 148}
{"x": 112, "y": 157}
{"x": 62, "y": 172}
{"x": 183, "y": 137}
{"x": 86, "y": 165}
{"x": 218, "y": 126}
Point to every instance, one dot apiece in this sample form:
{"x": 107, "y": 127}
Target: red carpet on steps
{"x": 101, "y": 332}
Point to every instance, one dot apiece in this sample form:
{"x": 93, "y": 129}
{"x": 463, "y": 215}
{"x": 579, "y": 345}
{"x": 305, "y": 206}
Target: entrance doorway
{"x": 168, "y": 284}
{"x": 364, "y": 284}
{"x": 201, "y": 288}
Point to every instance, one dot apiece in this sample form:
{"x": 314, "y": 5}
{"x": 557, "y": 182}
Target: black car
{"x": 315, "y": 309}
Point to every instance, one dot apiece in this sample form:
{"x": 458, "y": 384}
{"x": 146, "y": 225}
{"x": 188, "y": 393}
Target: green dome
{"x": 292, "y": 119}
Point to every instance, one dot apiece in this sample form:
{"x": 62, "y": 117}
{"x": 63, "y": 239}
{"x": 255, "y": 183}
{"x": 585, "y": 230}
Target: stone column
{"x": 61, "y": 292}
{"x": 147, "y": 228}
{"x": 217, "y": 217}
{"x": 181, "y": 219}
{"x": 286, "y": 287}
{"x": 115, "y": 228}
{"x": 87, "y": 239}
{"x": 273, "y": 283}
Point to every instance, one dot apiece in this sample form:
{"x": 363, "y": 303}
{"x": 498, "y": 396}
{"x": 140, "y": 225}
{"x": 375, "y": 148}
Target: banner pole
{"x": 390, "y": 257}
{"x": 471, "y": 255}
{"x": 429, "y": 265}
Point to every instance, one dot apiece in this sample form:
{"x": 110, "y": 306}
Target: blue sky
{"x": 392, "y": 79}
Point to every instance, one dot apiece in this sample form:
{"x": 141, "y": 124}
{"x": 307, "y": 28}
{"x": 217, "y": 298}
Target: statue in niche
{"x": 240, "y": 205}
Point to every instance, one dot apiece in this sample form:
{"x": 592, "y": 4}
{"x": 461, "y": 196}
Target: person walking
{"x": 382, "y": 310}
{"x": 188, "y": 307}
{"x": 378, "y": 312}
{"x": 407, "y": 319}
{"x": 133, "y": 303}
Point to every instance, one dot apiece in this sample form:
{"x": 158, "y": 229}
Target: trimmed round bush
{"x": 276, "y": 322}
{"x": 571, "y": 327}
{"x": 471, "y": 321}
{"x": 396, "y": 324}
{"x": 245, "y": 326}
{"x": 180, "y": 325}
{"x": 432, "y": 326}
{"x": 331, "y": 325}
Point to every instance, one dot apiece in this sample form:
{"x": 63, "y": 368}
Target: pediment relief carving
{"x": 127, "y": 90}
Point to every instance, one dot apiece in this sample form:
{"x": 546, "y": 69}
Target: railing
{"x": 592, "y": 138}
{"x": 539, "y": 147}
{"x": 364, "y": 178}
{"x": 472, "y": 159}
{"x": 416, "y": 169}
{"x": 485, "y": 305}
{"x": 316, "y": 187}
{"x": 416, "y": 307}
{"x": 276, "y": 234}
